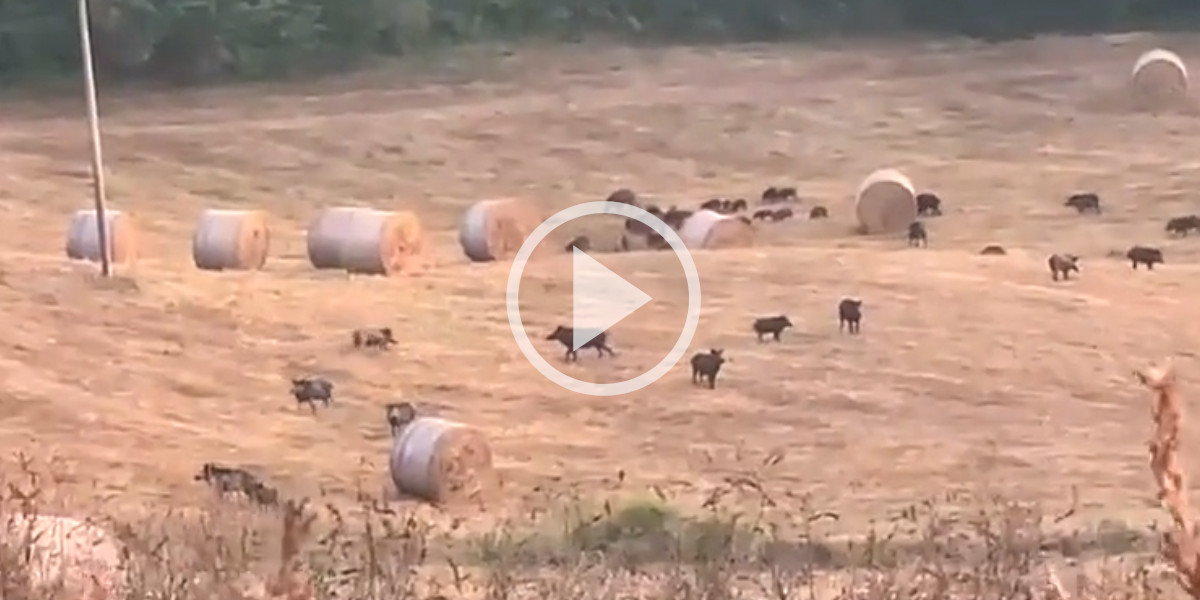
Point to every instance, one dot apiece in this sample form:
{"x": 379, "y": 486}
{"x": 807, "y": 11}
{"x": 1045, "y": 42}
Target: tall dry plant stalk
{"x": 290, "y": 582}
{"x": 1180, "y": 546}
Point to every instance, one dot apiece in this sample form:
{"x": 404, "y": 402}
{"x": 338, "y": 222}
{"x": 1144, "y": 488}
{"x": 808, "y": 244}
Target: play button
{"x": 601, "y": 299}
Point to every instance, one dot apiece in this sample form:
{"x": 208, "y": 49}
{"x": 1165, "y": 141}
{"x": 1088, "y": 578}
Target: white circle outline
{"x": 691, "y": 321}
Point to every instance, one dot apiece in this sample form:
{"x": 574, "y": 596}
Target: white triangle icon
{"x": 600, "y": 298}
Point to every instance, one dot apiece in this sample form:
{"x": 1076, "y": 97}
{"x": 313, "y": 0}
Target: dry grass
{"x": 781, "y": 548}
{"x": 1180, "y": 542}
{"x": 974, "y": 376}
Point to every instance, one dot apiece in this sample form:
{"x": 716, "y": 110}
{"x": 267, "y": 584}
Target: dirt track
{"x": 970, "y": 371}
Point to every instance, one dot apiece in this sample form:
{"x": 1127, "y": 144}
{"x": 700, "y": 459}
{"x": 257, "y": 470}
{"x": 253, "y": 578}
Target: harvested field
{"x": 971, "y": 372}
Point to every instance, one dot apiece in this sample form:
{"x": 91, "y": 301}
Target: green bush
{"x": 189, "y": 41}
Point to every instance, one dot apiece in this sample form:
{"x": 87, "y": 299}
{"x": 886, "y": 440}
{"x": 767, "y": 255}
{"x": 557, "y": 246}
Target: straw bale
{"x": 231, "y": 239}
{"x": 365, "y": 240}
{"x": 83, "y": 241}
{"x": 441, "y": 461}
{"x": 1159, "y": 75}
{"x": 886, "y": 202}
{"x": 376, "y": 242}
{"x": 82, "y": 558}
{"x": 712, "y": 230}
{"x": 496, "y": 229}
{"x": 323, "y": 238}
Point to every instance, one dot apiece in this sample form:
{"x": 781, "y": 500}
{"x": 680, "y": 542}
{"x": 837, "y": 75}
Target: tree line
{"x": 193, "y": 41}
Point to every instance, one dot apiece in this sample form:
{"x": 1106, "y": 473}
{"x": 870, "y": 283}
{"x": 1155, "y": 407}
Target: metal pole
{"x": 93, "y": 114}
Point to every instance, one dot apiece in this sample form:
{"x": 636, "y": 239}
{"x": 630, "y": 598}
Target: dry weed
{"x": 748, "y": 540}
{"x": 1179, "y": 545}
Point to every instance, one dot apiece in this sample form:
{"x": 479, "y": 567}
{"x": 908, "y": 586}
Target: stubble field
{"x": 972, "y": 372}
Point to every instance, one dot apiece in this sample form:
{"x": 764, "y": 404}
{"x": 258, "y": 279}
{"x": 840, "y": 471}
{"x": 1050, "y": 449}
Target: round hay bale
{"x": 377, "y": 242}
{"x": 365, "y": 240}
{"x": 83, "y": 241}
{"x": 1159, "y": 75}
{"x": 324, "y": 236}
{"x": 231, "y": 239}
{"x": 441, "y": 461}
{"x": 886, "y": 202}
{"x": 712, "y": 230}
{"x": 82, "y": 558}
{"x": 495, "y": 229}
